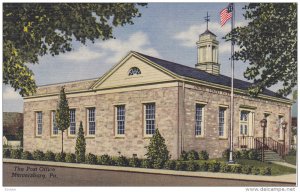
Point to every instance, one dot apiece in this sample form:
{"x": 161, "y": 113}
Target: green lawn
{"x": 276, "y": 169}
{"x": 291, "y": 159}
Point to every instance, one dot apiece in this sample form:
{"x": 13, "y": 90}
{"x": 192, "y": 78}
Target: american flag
{"x": 226, "y": 14}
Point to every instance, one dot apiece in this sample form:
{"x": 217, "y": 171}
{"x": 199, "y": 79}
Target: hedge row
{"x": 215, "y": 166}
{"x": 243, "y": 154}
{"x": 194, "y": 155}
{"x": 211, "y": 166}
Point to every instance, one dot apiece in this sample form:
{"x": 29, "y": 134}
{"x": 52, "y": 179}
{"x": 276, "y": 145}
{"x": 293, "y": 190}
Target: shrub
{"x": 255, "y": 171}
{"x": 214, "y": 166}
{"x": 236, "y": 168}
{"x": 104, "y": 160}
{"x": 225, "y": 154}
{"x": 246, "y": 169}
{"x": 134, "y": 162}
{"x": 237, "y": 155}
{"x": 157, "y": 151}
{"x": 27, "y": 155}
{"x": 145, "y": 163}
{"x": 91, "y": 159}
{"x": 122, "y": 161}
{"x": 60, "y": 157}
{"x": 292, "y": 152}
{"x": 225, "y": 168}
{"x": 203, "y": 155}
{"x": 49, "y": 156}
{"x": 192, "y": 166}
{"x": 265, "y": 171}
{"x": 171, "y": 165}
{"x": 183, "y": 156}
{"x": 192, "y": 155}
{"x": 6, "y": 153}
{"x": 244, "y": 154}
{"x": 253, "y": 155}
{"x": 203, "y": 166}
{"x": 70, "y": 158}
{"x": 38, "y": 155}
{"x": 80, "y": 145}
{"x": 16, "y": 153}
{"x": 181, "y": 166}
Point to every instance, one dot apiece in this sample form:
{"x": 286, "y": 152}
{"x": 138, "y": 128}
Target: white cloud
{"x": 10, "y": 94}
{"x": 115, "y": 49}
{"x": 189, "y": 37}
{"x": 83, "y": 54}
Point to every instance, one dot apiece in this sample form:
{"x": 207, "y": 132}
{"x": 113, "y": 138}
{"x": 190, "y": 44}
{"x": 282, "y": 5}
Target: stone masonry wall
{"x": 213, "y": 99}
{"x": 105, "y": 141}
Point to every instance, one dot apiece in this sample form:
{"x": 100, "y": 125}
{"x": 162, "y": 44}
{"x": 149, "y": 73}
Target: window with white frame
{"x": 134, "y": 71}
{"x": 54, "y": 126}
{"x": 244, "y": 122}
{"x": 39, "y": 123}
{"x": 72, "y": 130}
{"x": 280, "y": 130}
{"x": 149, "y": 110}
{"x": 120, "y": 120}
{"x": 199, "y": 119}
{"x": 222, "y": 113}
{"x": 91, "y": 121}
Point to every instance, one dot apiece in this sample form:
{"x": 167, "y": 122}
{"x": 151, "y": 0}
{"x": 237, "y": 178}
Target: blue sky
{"x": 165, "y": 30}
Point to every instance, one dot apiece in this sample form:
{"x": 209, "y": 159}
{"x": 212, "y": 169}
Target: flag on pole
{"x": 226, "y": 14}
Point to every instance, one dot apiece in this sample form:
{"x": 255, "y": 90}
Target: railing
{"x": 246, "y": 142}
{"x": 273, "y": 145}
{"x": 249, "y": 142}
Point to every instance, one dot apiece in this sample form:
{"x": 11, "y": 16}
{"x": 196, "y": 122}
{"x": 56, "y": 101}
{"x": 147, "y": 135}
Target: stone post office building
{"x": 190, "y": 106}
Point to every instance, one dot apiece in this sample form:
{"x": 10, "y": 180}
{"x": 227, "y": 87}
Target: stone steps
{"x": 272, "y": 156}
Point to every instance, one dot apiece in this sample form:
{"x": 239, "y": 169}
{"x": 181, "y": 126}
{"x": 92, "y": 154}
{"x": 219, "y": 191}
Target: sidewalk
{"x": 285, "y": 164}
{"x": 291, "y": 178}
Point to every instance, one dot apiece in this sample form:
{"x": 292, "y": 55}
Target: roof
{"x": 197, "y": 74}
{"x": 208, "y": 32}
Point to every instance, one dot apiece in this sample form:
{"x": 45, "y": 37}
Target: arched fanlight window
{"x": 134, "y": 71}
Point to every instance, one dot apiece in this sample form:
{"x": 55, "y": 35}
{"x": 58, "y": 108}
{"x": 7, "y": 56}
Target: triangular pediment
{"x": 119, "y": 75}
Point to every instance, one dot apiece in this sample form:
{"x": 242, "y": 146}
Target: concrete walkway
{"x": 284, "y": 164}
{"x": 290, "y": 178}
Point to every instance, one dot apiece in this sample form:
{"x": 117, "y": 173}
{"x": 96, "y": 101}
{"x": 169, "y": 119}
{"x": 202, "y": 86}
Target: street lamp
{"x": 284, "y": 125}
{"x": 263, "y": 124}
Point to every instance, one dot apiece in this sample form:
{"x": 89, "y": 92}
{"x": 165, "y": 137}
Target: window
{"x": 91, "y": 121}
{"x": 222, "y": 111}
{"x": 72, "y": 130}
{"x": 134, "y": 71}
{"x": 149, "y": 118}
{"x": 54, "y": 127}
{"x": 244, "y": 122}
{"x": 280, "y": 131}
{"x": 39, "y": 123}
{"x": 199, "y": 120}
{"x": 120, "y": 120}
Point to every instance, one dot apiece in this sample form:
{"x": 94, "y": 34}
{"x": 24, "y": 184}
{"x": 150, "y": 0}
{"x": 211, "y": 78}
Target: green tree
{"x": 269, "y": 44}
{"x": 32, "y": 30}
{"x": 62, "y": 115}
{"x": 80, "y": 145}
{"x": 157, "y": 151}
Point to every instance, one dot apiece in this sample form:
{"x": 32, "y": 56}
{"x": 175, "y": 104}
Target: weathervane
{"x": 207, "y": 20}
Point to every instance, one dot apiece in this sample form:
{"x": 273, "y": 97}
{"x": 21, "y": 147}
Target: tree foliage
{"x": 32, "y": 30}
{"x": 80, "y": 145}
{"x": 269, "y": 43}
{"x": 62, "y": 115}
{"x": 157, "y": 151}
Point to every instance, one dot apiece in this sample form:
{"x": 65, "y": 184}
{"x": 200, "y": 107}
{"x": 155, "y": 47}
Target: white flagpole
{"x": 231, "y": 98}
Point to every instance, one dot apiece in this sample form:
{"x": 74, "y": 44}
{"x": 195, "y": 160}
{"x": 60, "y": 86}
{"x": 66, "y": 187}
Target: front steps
{"x": 272, "y": 156}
